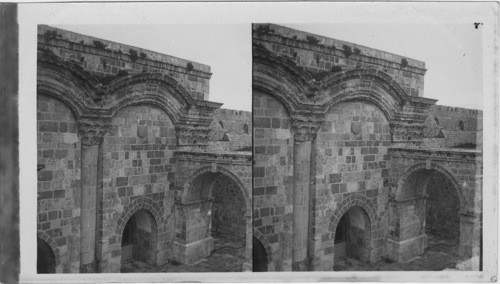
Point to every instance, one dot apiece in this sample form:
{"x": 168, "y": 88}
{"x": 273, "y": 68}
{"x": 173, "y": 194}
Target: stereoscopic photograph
{"x": 139, "y": 169}
{"x": 357, "y": 166}
{"x": 227, "y": 142}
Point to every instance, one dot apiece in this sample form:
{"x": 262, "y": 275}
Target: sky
{"x": 452, "y": 53}
{"x": 225, "y": 48}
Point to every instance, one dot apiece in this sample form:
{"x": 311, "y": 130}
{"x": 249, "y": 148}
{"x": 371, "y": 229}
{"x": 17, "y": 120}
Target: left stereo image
{"x": 143, "y": 163}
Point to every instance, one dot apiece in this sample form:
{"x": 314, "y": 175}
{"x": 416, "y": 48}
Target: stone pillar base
{"x": 192, "y": 252}
{"x": 404, "y": 250}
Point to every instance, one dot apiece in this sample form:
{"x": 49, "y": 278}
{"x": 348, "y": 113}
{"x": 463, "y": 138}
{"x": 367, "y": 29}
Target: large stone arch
{"x": 141, "y": 202}
{"x": 196, "y": 240}
{"x": 408, "y": 237}
{"x": 267, "y": 246}
{"x": 369, "y": 85}
{"x": 363, "y": 202}
{"x": 222, "y": 170}
{"x": 348, "y": 202}
{"x": 67, "y": 82}
{"x": 155, "y": 89}
{"x": 429, "y": 166}
{"x": 53, "y": 245}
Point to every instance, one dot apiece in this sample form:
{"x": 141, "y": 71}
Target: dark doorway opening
{"x": 352, "y": 237}
{"x": 259, "y": 256}
{"x": 46, "y": 260}
{"x": 139, "y": 240}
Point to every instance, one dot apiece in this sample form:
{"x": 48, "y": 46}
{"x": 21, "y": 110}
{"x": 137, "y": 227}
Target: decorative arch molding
{"x": 155, "y": 89}
{"x": 414, "y": 169}
{"x": 94, "y": 104}
{"x": 281, "y": 78}
{"x": 361, "y": 79}
{"x": 265, "y": 242}
{"x": 67, "y": 82}
{"x": 191, "y": 181}
{"x": 52, "y": 244}
{"x": 303, "y": 96}
{"x": 139, "y": 203}
{"x": 348, "y": 202}
{"x": 390, "y": 111}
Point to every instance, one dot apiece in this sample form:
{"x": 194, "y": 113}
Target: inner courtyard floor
{"x": 228, "y": 256}
{"x": 442, "y": 253}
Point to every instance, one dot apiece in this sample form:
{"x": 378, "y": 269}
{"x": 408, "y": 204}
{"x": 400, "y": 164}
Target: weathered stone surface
{"x": 373, "y": 157}
{"x": 120, "y": 140}
{"x": 59, "y": 180}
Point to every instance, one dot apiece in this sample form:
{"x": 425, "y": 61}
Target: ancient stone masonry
{"x": 231, "y": 130}
{"x": 342, "y": 163}
{"x": 455, "y": 127}
{"x": 127, "y": 166}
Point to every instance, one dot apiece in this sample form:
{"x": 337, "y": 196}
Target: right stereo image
{"x": 355, "y": 167}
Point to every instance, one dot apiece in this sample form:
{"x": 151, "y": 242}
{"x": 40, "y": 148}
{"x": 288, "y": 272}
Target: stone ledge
{"x": 193, "y": 252}
{"x": 281, "y": 36}
{"x": 401, "y": 251}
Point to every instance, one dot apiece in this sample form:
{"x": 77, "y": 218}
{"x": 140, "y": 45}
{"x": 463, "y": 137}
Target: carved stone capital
{"x": 92, "y": 131}
{"x": 305, "y": 128}
{"x": 191, "y": 135}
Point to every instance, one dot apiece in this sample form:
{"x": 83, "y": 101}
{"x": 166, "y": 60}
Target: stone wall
{"x": 273, "y": 176}
{"x": 228, "y": 209}
{"x": 320, "y": 54}
{"x": 351, "y": 157}
{"x": 59, "y": 154}
{"x": 138, "y": 162}
{"x": 460, "y": 127}
{"x": 107, "y": 61}
{"x": 442, "y": 207}
{"x": 231, "y": 130}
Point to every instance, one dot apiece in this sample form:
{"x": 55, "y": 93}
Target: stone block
{"x": 192, "y": 252}
{"x": 122, "y": 181}
{"x": 401, "y": 251}
{"x": 262, "y": 122}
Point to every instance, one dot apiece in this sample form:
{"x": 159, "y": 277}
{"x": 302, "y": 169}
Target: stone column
{"x": 91, "y": 133}
{"x": 304, "y": 134}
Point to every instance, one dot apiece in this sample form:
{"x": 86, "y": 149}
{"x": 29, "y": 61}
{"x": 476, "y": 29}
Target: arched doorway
{"x": 139, "y": 240}
{"x": 216, "y": 208}
{"x": 426, "y": 213}
{"x": 353, "y": 236}
{"x": 45, "y": 260}
{"x": 259, "y": 256}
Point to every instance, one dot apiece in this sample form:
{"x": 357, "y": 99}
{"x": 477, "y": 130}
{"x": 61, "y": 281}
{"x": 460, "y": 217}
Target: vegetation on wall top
{"x": 347, "y": 50}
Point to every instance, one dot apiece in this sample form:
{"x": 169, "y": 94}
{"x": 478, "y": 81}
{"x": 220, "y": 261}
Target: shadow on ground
{"x": 441, "y": 254}
{"x": 228, "y": 256}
